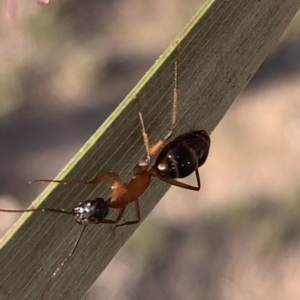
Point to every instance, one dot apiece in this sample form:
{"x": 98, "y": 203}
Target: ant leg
{"x": 107, "y": 221}
{"x": 183, "y": 185}
{"x": 138, "y": 215}
{"x": 96, "y": 180}
{"x": 116, "y": 178}
{"x": 120, "y": 215}
{"x": 158, "y": 145}
{"x": 144, "y": 132}
{"x": 175, "y": 98}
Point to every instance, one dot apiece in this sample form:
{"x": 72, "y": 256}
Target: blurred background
{"x": 65, "y": 66}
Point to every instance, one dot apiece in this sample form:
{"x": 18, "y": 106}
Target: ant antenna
{"x": 64, "y": 262}
{"x": 50, "y": 210}
{"x": 36, "y": 209}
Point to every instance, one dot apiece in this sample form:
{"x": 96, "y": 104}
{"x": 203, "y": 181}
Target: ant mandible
{"x": 177, "y": 159}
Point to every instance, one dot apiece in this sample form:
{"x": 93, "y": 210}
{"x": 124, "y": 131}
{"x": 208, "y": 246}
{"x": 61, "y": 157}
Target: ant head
{"x": 92, "y": 211}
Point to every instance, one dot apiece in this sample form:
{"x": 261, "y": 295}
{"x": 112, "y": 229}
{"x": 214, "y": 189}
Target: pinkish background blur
{"x": 65, "y": 66}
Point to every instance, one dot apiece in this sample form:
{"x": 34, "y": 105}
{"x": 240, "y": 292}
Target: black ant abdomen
{"x": 182, "y": 156}
{"x": 201, "y": 145}
{"x": 92, "y": 211}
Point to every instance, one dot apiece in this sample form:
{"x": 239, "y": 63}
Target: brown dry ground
{"x": 239, "y": 238}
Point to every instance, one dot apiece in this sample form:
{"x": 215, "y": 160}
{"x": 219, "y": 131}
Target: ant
{"x": 177, "y": 159}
